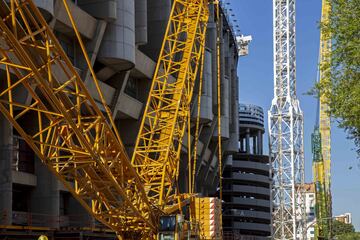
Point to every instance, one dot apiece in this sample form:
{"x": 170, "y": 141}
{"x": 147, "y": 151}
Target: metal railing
{"x": 236, "y": 235}
{"x": 73, "y": 221}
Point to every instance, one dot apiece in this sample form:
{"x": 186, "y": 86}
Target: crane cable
{"x": 219, "y": 99}
{"x": 196, "y": 138}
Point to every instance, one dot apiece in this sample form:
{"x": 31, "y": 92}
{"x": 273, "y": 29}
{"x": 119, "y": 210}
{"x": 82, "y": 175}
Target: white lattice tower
{"x": 286, "y": 130}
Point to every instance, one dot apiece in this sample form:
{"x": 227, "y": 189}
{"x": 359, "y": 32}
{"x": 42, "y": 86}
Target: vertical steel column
{"x": 286, "y": 130}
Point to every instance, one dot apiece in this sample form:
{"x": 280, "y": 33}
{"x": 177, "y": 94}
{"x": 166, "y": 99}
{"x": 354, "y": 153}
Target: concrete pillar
{"x": 92, "y": 48}
{"x": 247, "y": 141}
{"x": 243, "y": 148}
{"x": 240, "y": 144}
{"x": 206, "y": 109}
{"x": 45, "y": 199}
{"x": 255, "y": 151}
{"x": 183, "y": 174}
{"x": 141, "y": 22}
{"x": 117, "y": 49}
{"x": 225, "y": 84}
{"x": 260, "y": 142}
{"x": 119, "y": 81}
{"x": 81, "y": 218}
{"x": 6, "y": 139}
{"x": 46, "y": 8}
{"x": 158, "y": 12}
{"x": 211, "y": 36}
{"x": 234, "y": 107}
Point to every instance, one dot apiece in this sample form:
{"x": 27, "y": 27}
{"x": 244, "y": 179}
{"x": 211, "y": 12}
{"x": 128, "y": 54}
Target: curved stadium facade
{"x": 246, "y": 183}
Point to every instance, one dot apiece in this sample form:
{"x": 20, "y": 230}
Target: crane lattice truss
{"x": 325, "y": 124}
{"x": 322, "y": 160}
{"x": 286, "y": 130}
{"x": 79, "y": 143}
{"x": 322, "y": 220}
{"x": 72, "y": 136}
{"x": 157, "y": 152}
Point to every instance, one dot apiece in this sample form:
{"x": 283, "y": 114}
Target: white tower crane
{"x": 286, "y": 130}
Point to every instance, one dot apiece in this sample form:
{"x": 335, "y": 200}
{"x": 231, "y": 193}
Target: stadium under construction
{"x": 121, "y": 119}
{"x": 123, "y": 40}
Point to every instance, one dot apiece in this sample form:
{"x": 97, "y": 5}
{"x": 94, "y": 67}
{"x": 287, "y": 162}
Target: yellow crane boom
{"x": 157, "y": 152}
{"x": 72, "y": 136}
{"x": 79, "y": 143}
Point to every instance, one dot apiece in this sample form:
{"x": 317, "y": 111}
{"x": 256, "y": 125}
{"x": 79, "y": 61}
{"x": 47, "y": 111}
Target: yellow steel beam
{"x": 157, "y": 152}
{"x": 322, "y": 169}
{"x": 71, "y": 135}
{"x": 218, "y": 51}
{"x": 325, "y": 125}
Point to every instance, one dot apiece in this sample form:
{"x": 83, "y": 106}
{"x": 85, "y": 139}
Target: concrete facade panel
{"x": 141, "y": 22}
{"x": 85, "y": 23}
{"x": 250, "y": 202}
{"x": 103, "y": 9}
{"x": 6, "y": 155}
{"x": 24, "y": 178}
{"x": 251, "y": 189}
{"x": 247, "y": 214}
{"x": 251, "y": 165}
{"x": 158, "y": 12}
{"x": 251, "y": 177}
{"x": 46, "y": 7}
{"x": 247, "y": 179}
{"x": 206, "y": 113}
{"x": 252, "y": 226}
{"x": 118, "y": 47}
{"x": 116, "y": 51}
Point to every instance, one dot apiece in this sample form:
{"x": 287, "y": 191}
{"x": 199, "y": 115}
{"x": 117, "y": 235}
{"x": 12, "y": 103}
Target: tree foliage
{"x": 343, "y": 89}
{"x": 349, "y": 236}
{"x": 340, "y": 228}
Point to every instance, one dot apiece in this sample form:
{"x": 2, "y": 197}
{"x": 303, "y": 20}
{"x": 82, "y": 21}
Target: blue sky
{"x": 256, "y": 86}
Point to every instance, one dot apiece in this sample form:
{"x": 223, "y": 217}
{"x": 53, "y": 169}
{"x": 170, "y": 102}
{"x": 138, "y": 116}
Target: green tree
{"x": 349, "y": 236}
{"x": 343, "y": 89}
{"x": 340, "y": 228}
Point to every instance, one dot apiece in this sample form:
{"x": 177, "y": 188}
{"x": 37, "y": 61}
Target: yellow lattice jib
{"x": 157, "y": 153}
{"x": 77, "y": 141}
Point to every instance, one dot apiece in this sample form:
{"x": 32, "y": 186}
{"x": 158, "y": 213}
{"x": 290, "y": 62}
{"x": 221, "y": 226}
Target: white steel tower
{"x": 286, "y": 130}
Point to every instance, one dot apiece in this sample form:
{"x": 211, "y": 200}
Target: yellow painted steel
{"x": 208, "y": 215}
{"x": 194, "y": 156}
{"x": 80, "y": 144}
{"x": 71, "y": 135}
{"x": 325, "y": 125}
{"x": 197, "y": 126}
{"x": 156, "y": 156}
{"x": 322, "y": 165}
{"x": 321, "y": 208}
{"x": 219, "y": 33}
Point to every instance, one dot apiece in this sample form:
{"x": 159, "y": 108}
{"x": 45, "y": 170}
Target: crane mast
{"x": 325, "y": 124}
{"x": 321, "y": 206}
{"x": 77, "y": 141}
{"x": 286, "y": 130}
{"x": 322, "y": 167}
